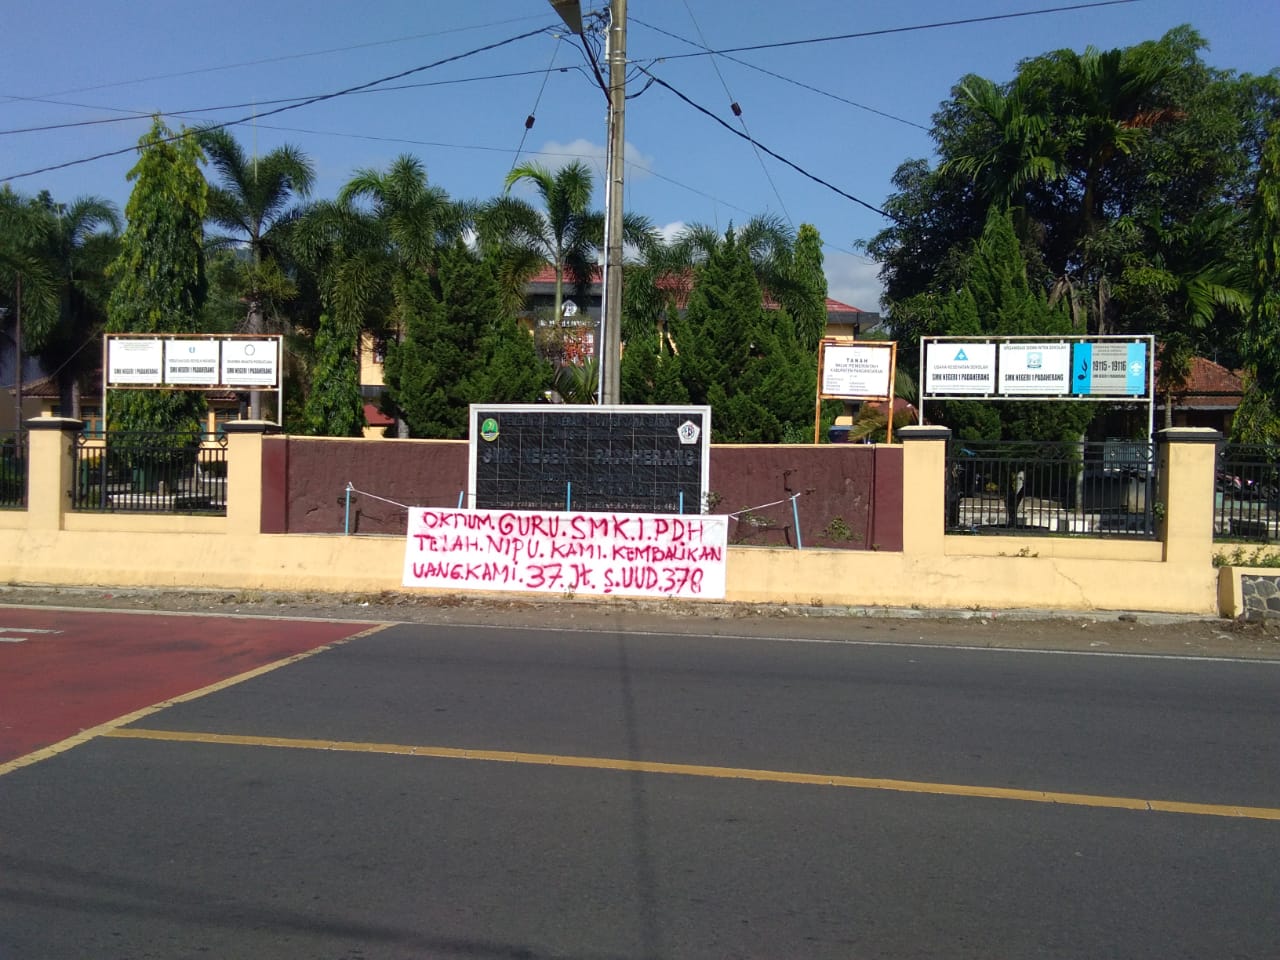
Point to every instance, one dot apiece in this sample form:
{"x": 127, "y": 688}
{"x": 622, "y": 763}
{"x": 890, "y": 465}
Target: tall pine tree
{"x": 461, "y": 346}
{"x": 743, "y": 361}
{"x": 997, "y": 299}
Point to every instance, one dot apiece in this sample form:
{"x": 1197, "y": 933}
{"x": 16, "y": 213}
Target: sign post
{"x": 855, "y": 370}
{"x": 140, "y": 361}
{"x": 1101, "y": 368}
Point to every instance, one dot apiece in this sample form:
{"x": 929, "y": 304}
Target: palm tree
{"x": 419, "y": 218}
{"x": 28, "y": 283}
{"x": 346, "y": 249}
{"x": 81, "y": 241}
{"x": 1019, "y": 149}
{"x": 253, "y": 202}
{"x": 768, "y": 240}
{"x": 1193, "y": 281}
{"x": 565, "y": 233}
{"x": 414, "y": 221}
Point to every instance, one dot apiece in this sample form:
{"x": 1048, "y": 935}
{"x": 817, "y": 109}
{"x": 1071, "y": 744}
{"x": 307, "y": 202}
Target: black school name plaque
{"x": 627, "y": 459}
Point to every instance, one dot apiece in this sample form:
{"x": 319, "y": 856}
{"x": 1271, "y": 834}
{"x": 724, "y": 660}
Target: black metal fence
{"x": 13, "y": 469}
{"x": 1095, "y": 488}
{"x": 150, "y": 473}
{"x": 1246, "y": 493}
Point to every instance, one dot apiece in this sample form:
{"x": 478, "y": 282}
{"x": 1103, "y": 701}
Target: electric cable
{"x": 737, "y": 112}
{"x": 779, "y": 76}
{"x": 887, "y": 31}
{"x": 777, "y": 156}
{"x": 266, "y": 60}
{"x": 134, "y": 114}
{"x": 295, "y": 106}
{"x": 533, "y": 114}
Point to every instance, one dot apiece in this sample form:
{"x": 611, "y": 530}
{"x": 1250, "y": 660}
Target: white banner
{"x": 960, "y": 368}
{"x": 191, "y": 362}
{"x": 860, "y": 370}
{"x": 134, "y": 360}
{"x": 250, "y": 363}
{"x": 1027, "y": 369}
{"x": 615, "y": 554}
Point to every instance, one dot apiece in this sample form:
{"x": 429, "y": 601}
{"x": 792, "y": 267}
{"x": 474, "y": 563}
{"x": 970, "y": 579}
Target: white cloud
{"x": 853, "y": 280}
{"x": 670, "y": 231}
{"x": 556, "y": 155}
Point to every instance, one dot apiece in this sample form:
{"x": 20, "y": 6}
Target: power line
{"x": 533, "y": 114}
{"x": 777, "y": 156}
{"x": 892, "y": 30}
{"x": 255, "y": 116}
{"x": 737, "y": 112}
{"x": 785, "y": 79}
{"x": 266, "y": 60}
{"x": 134, "y": 114}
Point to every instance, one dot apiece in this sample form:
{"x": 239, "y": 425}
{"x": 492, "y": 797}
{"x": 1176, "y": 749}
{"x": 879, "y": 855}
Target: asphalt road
{"x": 487, "y": 791}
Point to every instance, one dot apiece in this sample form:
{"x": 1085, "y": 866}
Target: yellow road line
{"x": 105, "y": 729}
{"x": 720, "y": 773}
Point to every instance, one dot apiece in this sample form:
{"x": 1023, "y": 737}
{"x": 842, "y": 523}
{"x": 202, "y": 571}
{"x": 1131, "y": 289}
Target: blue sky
{"x": 847, "y": 111}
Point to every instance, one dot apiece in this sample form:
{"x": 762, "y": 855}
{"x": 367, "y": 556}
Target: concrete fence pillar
{"x": 244, "y": 474}
{"x": 924, "y": 489}
{"x": 1188, "y": 457}
{"x": 50, "y": 470}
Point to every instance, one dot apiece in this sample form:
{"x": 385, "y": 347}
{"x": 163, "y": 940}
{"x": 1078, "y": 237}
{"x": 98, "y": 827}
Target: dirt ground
{"x": 1101, "y": 631}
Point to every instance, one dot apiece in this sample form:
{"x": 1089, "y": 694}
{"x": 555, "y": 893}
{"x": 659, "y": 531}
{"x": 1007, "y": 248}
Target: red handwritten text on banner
{"x": 621, "y": 554}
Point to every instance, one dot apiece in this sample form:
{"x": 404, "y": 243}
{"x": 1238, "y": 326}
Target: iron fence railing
{"x": 150, "y": 473}
{"x": 13, "y": 469}
{"x": 1094, "y": 488}
{"x": 1246, "y": 493}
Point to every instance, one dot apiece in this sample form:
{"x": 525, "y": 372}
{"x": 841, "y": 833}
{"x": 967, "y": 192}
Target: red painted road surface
{"x": 62, "y": 671}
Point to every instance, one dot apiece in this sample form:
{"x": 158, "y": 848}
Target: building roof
{"x": 1208, "y": 386}
{"x": 375, "y": 417}
{"x": 678, "y": 283}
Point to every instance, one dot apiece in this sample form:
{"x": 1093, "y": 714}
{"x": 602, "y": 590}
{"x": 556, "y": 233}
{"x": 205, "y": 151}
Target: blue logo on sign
{"x": 961, "y": 355}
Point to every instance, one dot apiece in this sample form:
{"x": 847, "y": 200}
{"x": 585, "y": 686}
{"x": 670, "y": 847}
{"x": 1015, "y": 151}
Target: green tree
{"x": 159, "y": 272}
{"x": 743, "y": 361}
{"x": 998, "y": 299}
{"x": 83, "y": 238}
{"x": 805, "y": 296}
{"x": 1073, "y": 142}
{"x": 1186, "y": 283}
{"x": 1106, "y": 160}
{"x": 461, "y": 345}
{"x": 1258, "y": 418}
{"x": 565, "y": 233}
{"x": 345, "y": 249}
{"x": 253, "y": 202}
{"x": 416, "y": 220}
{"x": 333, "y": 405}
{"x": 28, "y": 282}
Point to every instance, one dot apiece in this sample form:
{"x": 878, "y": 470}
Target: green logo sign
{"x": 489, "y": 429}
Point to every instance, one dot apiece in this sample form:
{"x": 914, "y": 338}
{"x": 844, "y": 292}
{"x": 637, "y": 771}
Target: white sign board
{"x": 250, "y": 363}
{"x": 856, "y": 370}
{"x": 960, "y": 368}
{"x": 614, "y": 554}
{"x": 191, "y": 361}
{"x": 134, "y": 360}
{"x": 1029, "y": 369}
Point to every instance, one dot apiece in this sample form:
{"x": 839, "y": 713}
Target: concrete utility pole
{"x": 611, "y": 335}
{"x": 609, "y": 346}
{"x": 17, "y": 349}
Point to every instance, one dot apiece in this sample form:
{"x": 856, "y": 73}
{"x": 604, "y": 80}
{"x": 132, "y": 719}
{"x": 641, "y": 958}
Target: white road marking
{"x": 7, "y": 630}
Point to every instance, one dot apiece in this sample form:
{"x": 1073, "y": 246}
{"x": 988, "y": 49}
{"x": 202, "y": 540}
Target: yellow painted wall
{"x": 47, "y": 544}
